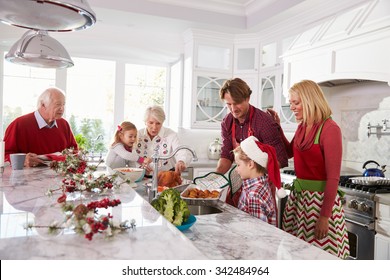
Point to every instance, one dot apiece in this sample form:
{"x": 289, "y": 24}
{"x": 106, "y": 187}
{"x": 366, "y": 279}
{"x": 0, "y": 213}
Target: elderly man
{"x": 41, "y": 132}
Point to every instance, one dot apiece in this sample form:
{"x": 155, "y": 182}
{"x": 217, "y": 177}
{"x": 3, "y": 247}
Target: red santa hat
{"x": 264, "y": 155}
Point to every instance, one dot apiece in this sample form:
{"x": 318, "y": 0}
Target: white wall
{"x": 198, "y": 139}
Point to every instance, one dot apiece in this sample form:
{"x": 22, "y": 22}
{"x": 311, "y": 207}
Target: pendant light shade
{"x": 38, "y": 49}
{"x": 50, "y": 15}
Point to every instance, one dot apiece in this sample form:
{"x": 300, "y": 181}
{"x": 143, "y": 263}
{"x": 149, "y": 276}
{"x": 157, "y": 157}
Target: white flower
{"x": 116, "y": 223}
{"x": 108, "y": 231}
{"x": 49, "y": 192}
{"x": 87, "y": 228}
{"x": 90, "y": 214}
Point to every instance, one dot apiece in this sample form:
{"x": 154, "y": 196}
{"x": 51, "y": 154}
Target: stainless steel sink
{"x": 203, "y": 209}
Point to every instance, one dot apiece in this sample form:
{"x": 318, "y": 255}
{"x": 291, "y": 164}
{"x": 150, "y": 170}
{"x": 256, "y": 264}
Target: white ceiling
{"x": 152, "y": 30}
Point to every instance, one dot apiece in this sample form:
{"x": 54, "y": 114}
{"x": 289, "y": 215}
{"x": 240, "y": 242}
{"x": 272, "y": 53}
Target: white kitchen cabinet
{"x": 270, "y": 55}
{"x": 271, "y": 82}
{"x": 382, "y": 228}
{"x": 208, "y": 63}
{"x": 246, "y": 58}
{"x": 213, "y": 57}
{"x": 209, "y": 109}
{"x": 272, "y": 96}
{"x": 382, "y": 247}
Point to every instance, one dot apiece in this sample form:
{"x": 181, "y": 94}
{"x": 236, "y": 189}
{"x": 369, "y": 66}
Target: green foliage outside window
{"x": 89, "y": 134}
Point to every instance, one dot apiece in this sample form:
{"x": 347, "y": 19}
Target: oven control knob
{"x": 353, "y": 204}
{"x": 363, "y": 207}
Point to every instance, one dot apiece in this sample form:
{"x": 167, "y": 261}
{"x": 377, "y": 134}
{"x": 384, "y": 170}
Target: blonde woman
{"x": 122, "y": 151}
{"x": 314, "y": 210}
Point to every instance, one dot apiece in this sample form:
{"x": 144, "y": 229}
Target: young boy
{"x": 258, "y": 168}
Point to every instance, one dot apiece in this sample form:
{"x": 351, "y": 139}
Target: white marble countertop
{"x": 23, "y": 200}
{"x": 231, "y": 234}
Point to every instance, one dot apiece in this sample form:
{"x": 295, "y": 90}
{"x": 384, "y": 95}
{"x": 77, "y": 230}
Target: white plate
{"x": 367, "y": 181}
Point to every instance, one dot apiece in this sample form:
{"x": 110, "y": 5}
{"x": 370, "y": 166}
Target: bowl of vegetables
{"x": 174, "y": 209}
{"x": 131, "y": 173}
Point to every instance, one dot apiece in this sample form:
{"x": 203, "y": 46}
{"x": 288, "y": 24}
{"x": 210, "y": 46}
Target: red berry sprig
{"x": 104, "y": 203}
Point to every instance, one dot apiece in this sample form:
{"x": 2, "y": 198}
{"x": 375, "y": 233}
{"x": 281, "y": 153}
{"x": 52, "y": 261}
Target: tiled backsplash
{"x": 354, "y": 106}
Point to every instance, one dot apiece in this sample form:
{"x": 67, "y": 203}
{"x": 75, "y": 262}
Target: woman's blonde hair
{"x": 240, "y": 154}
{"x": 315, "y": 106}
{"x": 124, "y": 126}
{"x": 156, "y": 112}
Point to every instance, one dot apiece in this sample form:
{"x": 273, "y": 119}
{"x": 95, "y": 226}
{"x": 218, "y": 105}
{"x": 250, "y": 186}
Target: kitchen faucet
{"x": 156, "y": 158}
{"x": 380, "y": 129}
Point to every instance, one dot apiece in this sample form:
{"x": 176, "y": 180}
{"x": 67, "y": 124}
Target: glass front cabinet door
{"x": 210, "y": 110}
{"x": 272, "y": 96}
{"x": 268, "y": 91}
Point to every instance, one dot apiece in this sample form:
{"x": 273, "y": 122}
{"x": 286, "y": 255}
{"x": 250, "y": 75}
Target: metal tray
{"x": 370, "y": 181}
{"x": 193, "y": 186}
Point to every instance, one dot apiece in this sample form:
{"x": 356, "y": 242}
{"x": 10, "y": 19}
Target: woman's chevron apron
{"x": 303, "y": 210}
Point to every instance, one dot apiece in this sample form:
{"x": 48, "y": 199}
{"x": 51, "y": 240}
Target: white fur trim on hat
{"x": 281, "y": 193}
{"x": 253, "y": 151}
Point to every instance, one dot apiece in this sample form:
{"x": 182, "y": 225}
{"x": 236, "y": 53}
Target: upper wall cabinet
{"x": 270, "y": 55}
{"x": 271, "y": 96}
{"x": 271, "y": 82}
{"x": 213, "y": 57}
{"x": 208, "y": 63}
{"x": 246, "y": 58}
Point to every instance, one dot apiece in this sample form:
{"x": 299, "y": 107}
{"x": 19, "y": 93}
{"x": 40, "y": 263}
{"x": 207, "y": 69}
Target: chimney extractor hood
{"x": 343, "y": 82}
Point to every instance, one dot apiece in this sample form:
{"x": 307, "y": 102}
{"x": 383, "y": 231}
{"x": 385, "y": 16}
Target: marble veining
{"x": 232, "y": 234}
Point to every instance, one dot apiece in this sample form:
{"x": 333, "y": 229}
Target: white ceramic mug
{"x": 17, "y": 161}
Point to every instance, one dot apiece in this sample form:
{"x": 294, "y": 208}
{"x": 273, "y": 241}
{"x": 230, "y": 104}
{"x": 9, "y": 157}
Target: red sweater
{"x": 24, "y": 136}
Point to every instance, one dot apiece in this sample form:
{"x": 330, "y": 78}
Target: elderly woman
{"x": 155, "y": 135}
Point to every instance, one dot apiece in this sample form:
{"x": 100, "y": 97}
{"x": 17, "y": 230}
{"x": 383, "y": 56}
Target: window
{"x": 144, "y": 86}
{"x": 90, "y": 94}
{"x": 22, "y": 86}
{"x": 90, "y": 102}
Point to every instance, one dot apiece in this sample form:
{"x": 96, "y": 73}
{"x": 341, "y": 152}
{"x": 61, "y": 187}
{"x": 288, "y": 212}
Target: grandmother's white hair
{"x": 156, "y": 112}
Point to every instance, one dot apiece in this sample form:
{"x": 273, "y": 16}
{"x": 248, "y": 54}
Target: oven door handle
{"x": 369, "y": 226}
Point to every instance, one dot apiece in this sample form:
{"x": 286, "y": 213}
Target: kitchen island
{"x": 231, "y": 234}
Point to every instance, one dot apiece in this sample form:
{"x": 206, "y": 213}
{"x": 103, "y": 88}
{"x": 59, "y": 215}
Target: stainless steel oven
{"x": 359, "y": 208}
{"x": 361, "y": 241}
